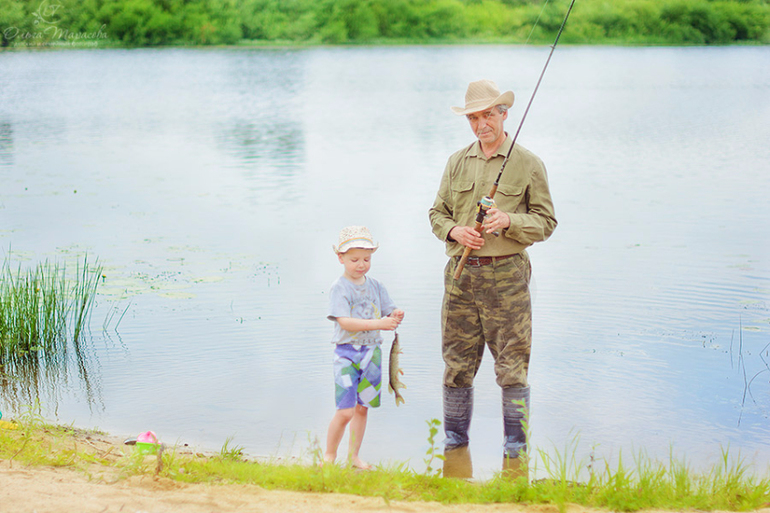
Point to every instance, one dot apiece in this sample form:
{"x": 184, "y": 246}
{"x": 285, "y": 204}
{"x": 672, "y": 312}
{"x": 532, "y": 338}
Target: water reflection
{"x": 264, "y": 147}
{"x": 6, "y": 143}
{"x": 259, "y": 120}
{"x": 182, "y": 159}
{"x": 32, "y": 378}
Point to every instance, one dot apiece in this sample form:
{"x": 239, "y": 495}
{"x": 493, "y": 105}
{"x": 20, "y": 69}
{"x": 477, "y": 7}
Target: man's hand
{"x": 496, "y": 221}
{"x": 467, "y": 236}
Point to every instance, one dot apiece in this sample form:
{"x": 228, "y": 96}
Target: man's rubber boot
{"x": 515, "y": 441}
{"x": 458, "y": 410}
{"x": 515, "y": 468}
{"x": 458, "y": 463}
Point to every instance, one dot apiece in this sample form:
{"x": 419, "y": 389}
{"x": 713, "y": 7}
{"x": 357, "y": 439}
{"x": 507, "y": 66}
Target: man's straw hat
{"x": 354, "y": 237}
{"x": 482, "y": 95}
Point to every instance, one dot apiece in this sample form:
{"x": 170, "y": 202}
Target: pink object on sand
{"x": 147, "y": 438}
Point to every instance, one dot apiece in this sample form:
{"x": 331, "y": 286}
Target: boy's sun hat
{"x": 352, "y": 237}
{"x": 482, "y": 95}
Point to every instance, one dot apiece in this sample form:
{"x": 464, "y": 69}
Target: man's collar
{"x": 502, "y": 150}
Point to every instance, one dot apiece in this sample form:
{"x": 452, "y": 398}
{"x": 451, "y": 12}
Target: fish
{"x": 394, "y": 383}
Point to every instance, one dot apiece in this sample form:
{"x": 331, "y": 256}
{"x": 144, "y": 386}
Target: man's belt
{"x": 485, "y": 260}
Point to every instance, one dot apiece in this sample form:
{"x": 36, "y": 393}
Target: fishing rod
{"x": 488, "y": 201}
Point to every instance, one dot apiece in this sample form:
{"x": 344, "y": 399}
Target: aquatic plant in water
{"x": 44, "y": 313}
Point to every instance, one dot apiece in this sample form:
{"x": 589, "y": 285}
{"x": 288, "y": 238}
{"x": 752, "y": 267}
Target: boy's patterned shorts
{"x": 357, "y": 375}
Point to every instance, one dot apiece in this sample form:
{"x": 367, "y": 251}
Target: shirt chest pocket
{"x": 510, "y": 198}
{"x": 462, "y": 194}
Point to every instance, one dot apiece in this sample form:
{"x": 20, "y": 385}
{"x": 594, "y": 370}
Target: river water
{"x": 212, "y": 183}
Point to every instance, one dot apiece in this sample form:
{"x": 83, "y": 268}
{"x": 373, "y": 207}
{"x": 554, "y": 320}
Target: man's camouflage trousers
{"x": 488, "y": 305}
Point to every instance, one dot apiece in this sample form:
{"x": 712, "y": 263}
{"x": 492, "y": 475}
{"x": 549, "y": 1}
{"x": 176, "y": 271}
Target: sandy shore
{"x": 25, "y": 489}
{"x": 31, "y": 489}
{"x": 46, "y": 490}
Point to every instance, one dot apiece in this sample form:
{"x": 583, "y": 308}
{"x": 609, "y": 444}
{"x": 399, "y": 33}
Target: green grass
{"x": 41, "y": 307}
{"x": 44, "y": 313}
{"x": 641, "y": 483}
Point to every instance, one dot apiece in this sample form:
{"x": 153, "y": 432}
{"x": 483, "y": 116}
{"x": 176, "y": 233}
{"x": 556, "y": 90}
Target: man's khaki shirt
{"x": 522, "y": 193}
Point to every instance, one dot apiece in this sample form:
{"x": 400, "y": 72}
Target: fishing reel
{"x": 484, "y": 205}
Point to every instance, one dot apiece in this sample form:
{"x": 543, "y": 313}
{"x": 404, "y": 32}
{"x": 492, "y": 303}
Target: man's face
{"x": 488, "y": 125}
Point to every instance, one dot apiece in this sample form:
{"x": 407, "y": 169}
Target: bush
{"x": 696, "y": 22}
{"x": 204, "y": 22}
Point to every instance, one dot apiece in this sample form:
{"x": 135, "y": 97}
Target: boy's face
{"x": 357, "y": 263}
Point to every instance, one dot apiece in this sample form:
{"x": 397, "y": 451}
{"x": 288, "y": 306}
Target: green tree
{"x": 444, "y": 18}
{"x": 696, "y": 22}
{"x": 273, "y": 20}
{"x": 341, "y": 21}
{"x": 206, "y": 22}
{"x": 398, "y": 19}
{"x": 220, "y": 23}
{"x": 492, "y": 18}
{"x": 749, "y": 20}
{"x": 13, "y": 21}
{"x": 136, "y": 22}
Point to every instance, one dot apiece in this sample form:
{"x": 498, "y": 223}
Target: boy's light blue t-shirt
{"x": 367, "y": 301}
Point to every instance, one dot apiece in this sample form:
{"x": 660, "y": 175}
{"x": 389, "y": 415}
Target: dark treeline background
{"x": 217, "y": 22}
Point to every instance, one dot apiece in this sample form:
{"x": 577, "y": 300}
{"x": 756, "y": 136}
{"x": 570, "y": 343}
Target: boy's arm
{"x": 354, "y": 324}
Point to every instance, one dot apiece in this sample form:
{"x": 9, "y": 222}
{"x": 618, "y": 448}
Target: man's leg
{"x": 462, "y": 349}
{"x": 515, "y": 413}
{"x": 506, "y": 317}
{"x": 458, "y": 410}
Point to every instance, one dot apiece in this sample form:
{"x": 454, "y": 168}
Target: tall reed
{"x": 44, "y": 312}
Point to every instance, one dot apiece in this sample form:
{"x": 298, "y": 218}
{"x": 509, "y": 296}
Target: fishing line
{"x": 531, "y": 98}
{"x": 487, "y": 202}
{"x": 537, "y": 21}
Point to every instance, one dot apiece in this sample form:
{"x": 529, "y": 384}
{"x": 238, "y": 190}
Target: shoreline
{"x": 59, "y": 469}
{"x": 101, "y": 488}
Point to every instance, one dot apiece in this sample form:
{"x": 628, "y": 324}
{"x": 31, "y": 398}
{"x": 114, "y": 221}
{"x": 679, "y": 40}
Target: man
{"x": 489, "y": 305}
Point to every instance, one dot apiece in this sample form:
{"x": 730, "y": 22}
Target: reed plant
{"x": 41, "y": 307}
{"x": 44, "y": 313}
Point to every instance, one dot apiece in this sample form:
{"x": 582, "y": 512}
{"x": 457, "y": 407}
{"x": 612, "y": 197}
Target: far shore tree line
{"x": 138, "y": 23}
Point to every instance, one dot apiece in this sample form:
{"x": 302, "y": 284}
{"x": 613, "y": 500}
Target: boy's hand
{"x": 397, "y": 314}
{"x": 389, "y": 323}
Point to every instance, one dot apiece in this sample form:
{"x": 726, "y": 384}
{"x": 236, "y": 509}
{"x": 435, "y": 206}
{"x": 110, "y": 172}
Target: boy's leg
{"x": 368, "y": 396}
{"x": 346, "y": 383}
{"x": 357, "y": 430}
{"x": 336, "y": 431}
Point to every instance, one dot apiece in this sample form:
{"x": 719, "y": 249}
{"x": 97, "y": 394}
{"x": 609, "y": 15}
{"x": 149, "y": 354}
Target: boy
{"x": 360, "y": 307}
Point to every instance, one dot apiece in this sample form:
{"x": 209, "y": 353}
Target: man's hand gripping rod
{"x": 488, "y": 202}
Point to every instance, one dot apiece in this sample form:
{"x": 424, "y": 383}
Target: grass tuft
{"x": 44, "y": 313}
{"x": 631, "y": 484}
